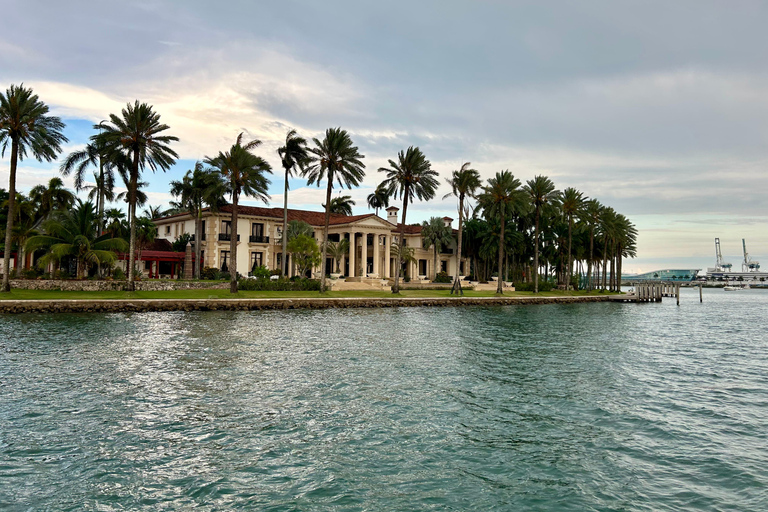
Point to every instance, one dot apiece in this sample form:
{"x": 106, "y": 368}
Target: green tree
{"x": 305, "y": 253}
{"x": 154, "y": 212}
{"x": 114, "y": 223}
{"x": 342, "y": 205}
{"x": 592, "y": 217}
{"x": 334, "y": 159}
{"x": 437, "y": 235}
{"x": 411, "y": 176}
{"x": 25, "y": 123}
{"x": 464, "y": 183}
{"x": 293, "y": 156}
{"x": 244, "y": 173}
{"x": 337, "y": 250}
{"x": 138, "y": 135}
{"x": 572, "y": 204}
{"x": 74, "y": 233}
{"x": 498, "y": 199}
{"x": 198, "y": 188}
{"x": 50, "y": 198}
{"x": 379, "y": 198}
{"x": 541, "y": 191}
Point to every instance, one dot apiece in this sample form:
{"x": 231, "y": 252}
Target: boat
{"x": 733, "y": 288}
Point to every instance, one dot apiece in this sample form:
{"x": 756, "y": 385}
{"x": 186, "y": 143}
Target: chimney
{"x": 447, "y": 221}
{"x": 392, "y": 214}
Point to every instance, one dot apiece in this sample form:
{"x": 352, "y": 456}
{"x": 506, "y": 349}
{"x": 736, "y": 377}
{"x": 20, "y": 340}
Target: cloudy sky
{"x": 657, "y": 108}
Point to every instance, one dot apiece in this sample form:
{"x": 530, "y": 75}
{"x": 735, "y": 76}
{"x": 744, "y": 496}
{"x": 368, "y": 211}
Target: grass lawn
{"x": 16, "y": 294}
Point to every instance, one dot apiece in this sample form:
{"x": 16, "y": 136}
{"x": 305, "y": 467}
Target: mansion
{"x": 259, "y": 241}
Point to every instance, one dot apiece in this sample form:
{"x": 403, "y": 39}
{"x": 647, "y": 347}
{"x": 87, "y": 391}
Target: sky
{"x": 656, "y": 108}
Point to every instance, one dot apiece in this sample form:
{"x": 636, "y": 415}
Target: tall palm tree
{"x": 51, "y": 198}
{"x": 244, "y": 173}
{"x": 113, "y": 222}
{"x": 498, "y": 199}
{"x": 153, "y": 212}
{"x": 342, "y": 205}
{"x": 592, "y": 216}
{"x": 293, "y": 155}
{"x": 102, "y": 191}
{"x": 541, "y": 191}
{"x": 379, "y": 198}
{"x": 437, "y": 235}
{"x": 337, "y": 250}
{"x": 25, "y": 123}
{"x": 411, "y": 176}
{"x": 607, "y": 231}
{"x": 198, "y": 188}
{"x": 73, "y": 233}
{"x": 136, "y": 134}
{"x": 572, "y": 204}
{"x": 335, "y": 158}
{"x": 464, "y": 183}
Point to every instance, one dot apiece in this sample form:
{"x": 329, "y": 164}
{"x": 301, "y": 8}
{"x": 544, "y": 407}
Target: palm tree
{"x": 51, "y": 198}
{"x": 335, "y": 158}
{"x": 244, "y": 173}
{"x": 499, "y": 198}
{"x": 572, "y": 203}
{"x": 113, "y": 222}
{"x": 73, "y": 233}
{"x": 437, "y": 235}
{"x": 146, "y": 233}
{"x": 295, "y": 229}
{"x": 293, "y": 155}
{"x": 25, "y": 124}
{"x": 101, "y": 191}
{"x": 337, "y": 250}
{"x": 153, "y": 212}
{"x": 403, "y": 254}
{"x": 411, "y": 176}
{"x": 198, "y": 188}
{"x": 379, "y": 198}
{"x": 138, "y": 136}
{"x": 541, "y": 191}
{"x": 342, "y": 205}
{"x": 464, "y": 183}
{"x": 592, "y": 216}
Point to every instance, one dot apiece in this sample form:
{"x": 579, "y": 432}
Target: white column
{"x": 364, "y": 255}
{"x": 387, "y": 245}
{"x": 376, "y": 239}
{"x": 352, "y": 250}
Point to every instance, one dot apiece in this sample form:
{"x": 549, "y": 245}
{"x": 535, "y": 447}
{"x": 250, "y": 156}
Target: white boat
{"x": 733, "y": 288}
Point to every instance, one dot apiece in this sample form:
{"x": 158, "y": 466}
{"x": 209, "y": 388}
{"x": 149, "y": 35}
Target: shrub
{"x": 180, "y": 244}
{"x": 210, "y": 273}
{"x": 118, "y": 274}
{"x": 226, "y": 276}
{"x": 279, "y": 285}
{"x": 30, "y": 273}
{"x": 442, "y": 277}
{"x": 62, "y": 274}
{"x": 544, "y": 286}
{"x": 261, "y": 272}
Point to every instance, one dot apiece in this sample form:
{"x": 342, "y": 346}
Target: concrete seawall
{"x": 142, "y": 305}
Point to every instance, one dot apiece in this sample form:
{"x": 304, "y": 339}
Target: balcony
{"x": 202, "y": 237}
{"x": 227, "y": 237}
{"x": 446, "y": 250}
{"x": 258, "y": 239}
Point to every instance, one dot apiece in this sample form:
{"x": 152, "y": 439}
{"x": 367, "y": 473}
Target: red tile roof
{"x": 310, "y": 217}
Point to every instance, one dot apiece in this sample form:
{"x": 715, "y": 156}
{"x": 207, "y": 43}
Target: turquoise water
{"x": 561, "y": 407}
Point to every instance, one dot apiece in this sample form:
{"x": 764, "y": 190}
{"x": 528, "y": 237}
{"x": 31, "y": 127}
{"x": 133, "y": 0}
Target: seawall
{"x": 144, "y": 305}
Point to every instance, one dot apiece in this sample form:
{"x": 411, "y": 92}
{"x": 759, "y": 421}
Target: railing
{"x": 446, "y": 251}
{"x": 258, "y": 239}
{"x": 201, "y": 238}
{"x": 227, "y": 237}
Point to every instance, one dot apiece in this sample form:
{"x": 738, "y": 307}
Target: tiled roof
{"x": 310, "y": 217}
{"x": 410, "y": 230}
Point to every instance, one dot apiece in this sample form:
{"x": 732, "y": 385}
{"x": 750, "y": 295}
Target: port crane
{"x": 720, "y": 266}
{"x": 748, "y": 265}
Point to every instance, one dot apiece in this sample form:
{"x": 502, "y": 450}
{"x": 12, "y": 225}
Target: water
{"x": 562, "y": 407}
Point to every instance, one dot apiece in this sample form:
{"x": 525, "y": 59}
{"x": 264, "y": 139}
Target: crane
{"x": 748, "y": 265}
{"x": 720, "y": 265}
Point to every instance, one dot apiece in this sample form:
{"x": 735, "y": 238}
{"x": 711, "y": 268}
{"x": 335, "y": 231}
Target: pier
{"x": 650, "y": 292}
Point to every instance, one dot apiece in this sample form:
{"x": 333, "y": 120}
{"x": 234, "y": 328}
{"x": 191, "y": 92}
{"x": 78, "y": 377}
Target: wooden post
{"x": 677, "y": 294}
{"x": 701, "y": 297}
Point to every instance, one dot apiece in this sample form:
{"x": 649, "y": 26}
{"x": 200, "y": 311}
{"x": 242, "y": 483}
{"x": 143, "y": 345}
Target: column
{"x": 364, "y": 255}
{"x": 387, "y": 246}
{"x": 376, "y": 239}
{"x": 352, "y": 250}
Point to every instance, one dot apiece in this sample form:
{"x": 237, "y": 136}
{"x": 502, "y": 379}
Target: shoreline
{"x": 261, "y": 304}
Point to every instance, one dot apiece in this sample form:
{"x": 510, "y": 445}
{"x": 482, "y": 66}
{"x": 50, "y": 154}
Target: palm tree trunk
{"x": 457, "y": 280}
{"x": 325, "y": 232}
{"x": 618, "y": 269}
{"x": 570, "y": 260}
{"x": 591, "y": 257}
{"x": 198, "y": 240}
{"x": 285, "y": 227}
{"x": 500, "y": 278}
{"x": 434, "y": 268}
{"x": 536, "y": 255}
{"x": 9, "y": 225}
{"x": 233, "y": 244}
{"x": 605, "y": 262}
{"x": 132, "y": 220}
{"x": 396, "y": 288}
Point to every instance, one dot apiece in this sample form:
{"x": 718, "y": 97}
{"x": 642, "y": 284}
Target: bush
{"x": 30, "y": 273}
{"x": 226, "y": 276}
{"x": 118, "y": 274}
{"x": 180, "y": 244}
{"x": 442, "y": 277}
{"x": 544, "y": 286}
{"x": 261, "y": 272}
{"x": 407, "y": 279}
{"x": 62, "y": 274}
{"x": 210, "y": 273}
{"x": 279, "y": 285}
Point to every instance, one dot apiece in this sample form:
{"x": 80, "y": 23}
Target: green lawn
{"x": 224, "y": 294}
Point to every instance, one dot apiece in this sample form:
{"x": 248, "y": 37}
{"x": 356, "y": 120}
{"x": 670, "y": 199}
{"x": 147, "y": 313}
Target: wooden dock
{"x": 650, "y": 292}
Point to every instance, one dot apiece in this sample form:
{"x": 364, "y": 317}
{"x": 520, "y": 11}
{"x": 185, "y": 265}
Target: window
{"x": 226, "y": 227}
{"x": 168, "y": 230}
{"x": 224, "y": 261}
{"x": 444, "y": 266}
{"x": 257, "y": 259}
{"x": 257, "y": 229}
{"x": 422, "y": 267}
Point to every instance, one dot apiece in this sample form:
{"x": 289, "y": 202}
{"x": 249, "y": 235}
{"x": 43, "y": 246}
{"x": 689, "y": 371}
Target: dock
{"x": 649, "y": 292}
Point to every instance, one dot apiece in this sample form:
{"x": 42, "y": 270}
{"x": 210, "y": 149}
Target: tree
{"x": 337, "y": 250}
{"x": 342, "y": 205}
{"x": 293, "y": 155}
{"x": 464, "y": 183}
{"x": 136, "y": 135}
{"x": 437, "y": 235}
{"x": 335, "y": 158}
{"x": 572, "y": 204}
{"x": 51, "y": 198}
{"x": 305, "y": 253}
{"x": 592, "y": 217}
{"x": 403, "y": 254}
{"x": 198, "y": 188}
{"x": 541, "y": 191}
{"x": 25, "y": 124}
{"x": 379, "y": 198}
{"x": 114, "y": 223}
{"x": 153, "y": 212}
{"x": 146, "y": 233}
{"x": 74, "y": 233}
{"x": 498, "y": 199}
{"x": 244, "y": 173}
{"x": 411, "y": 176}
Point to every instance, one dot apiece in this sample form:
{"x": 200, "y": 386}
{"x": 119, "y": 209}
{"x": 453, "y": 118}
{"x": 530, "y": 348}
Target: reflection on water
{"x": 566, "y": 407}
